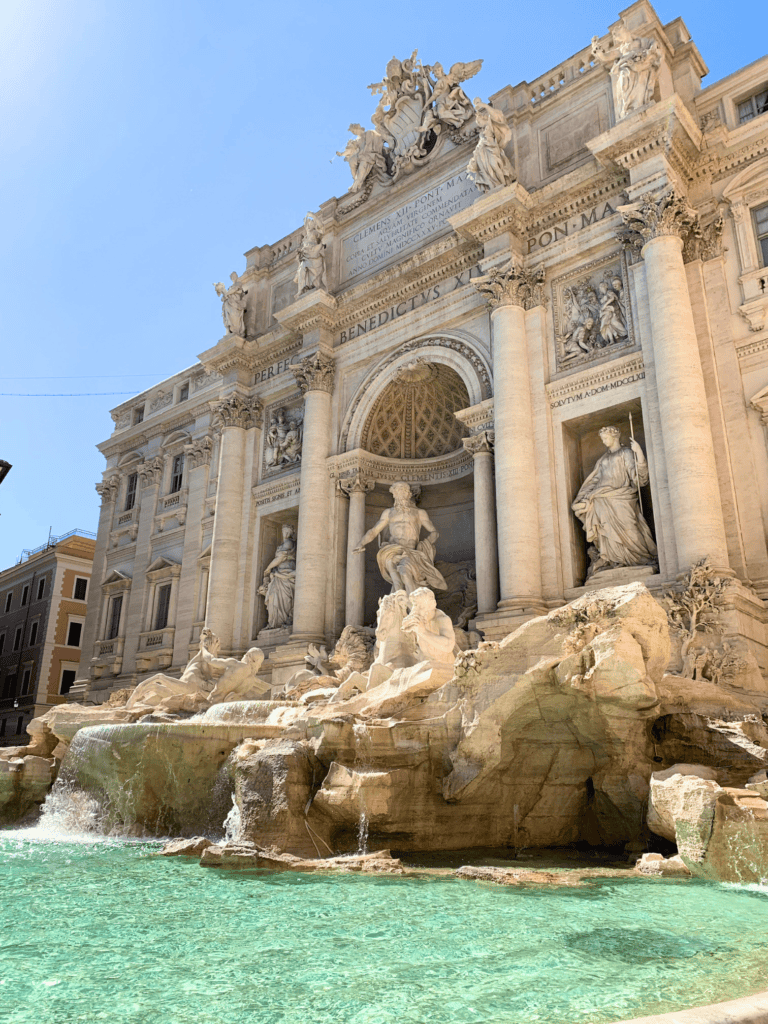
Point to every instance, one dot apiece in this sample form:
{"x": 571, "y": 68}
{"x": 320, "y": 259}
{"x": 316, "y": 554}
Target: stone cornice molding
{"x": 230, "y": 353}
{"x": 665, "y": 128}
{"x": 505, "y": 209}
{"x": 107, "y": 489}
{"x": 656, "y": 214}
{"x": 389, "y": 471}
{"x": 357, "y": 484}
{"x": 477, "y": 417}
{"x": 481, "y": 443}
{"x": 596, "y": 379}
{"x": 513, "y": 284}
{"x": 438, "y": 262}
{"x": 151, "y": 472}
{"x": 264, "y": 492}
{"x": 759, "y": 403}
{"x": 198, "y": 452}
{"x": 315, "y": 309}
{"x": 553, "y": 205}
{"x": 315, "y": 373}
{"x": 236, "y": 411}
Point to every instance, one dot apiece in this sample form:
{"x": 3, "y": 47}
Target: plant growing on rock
{"x": 693, "y": 611}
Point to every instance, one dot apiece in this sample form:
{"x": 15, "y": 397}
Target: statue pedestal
{"x": 646, "y": 574}
{"x": 284, "y": 660}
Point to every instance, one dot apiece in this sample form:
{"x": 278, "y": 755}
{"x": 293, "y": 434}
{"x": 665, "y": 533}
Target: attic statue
{"x": 232, "y": 305}
{"x": 405, "y": 561}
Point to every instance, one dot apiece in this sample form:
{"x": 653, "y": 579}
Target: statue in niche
{"x": 609, "y": 507}
{"x": 405, "y": 561}
{"x": 595, "y": 317}
{"x": 489, "y": 166}
{"x": 363, "y": 153}
{"x": 279, "y": 582}
{"x": 634, "y": 69}
{"x": 311, "y": 272}
{"x": 283, "y": 440}
{"x": 232, "y": 305}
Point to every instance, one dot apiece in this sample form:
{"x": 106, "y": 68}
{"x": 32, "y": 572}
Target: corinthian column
{"x": 315, "y": 375}
{"x": 356, "y": 488}
{"x": 511, "y": 289}
{"x": 107, "y": 491}
{"x": 233, "y": 415}
{"x": 660, "y": 220}
{"x": 486, "y": 553}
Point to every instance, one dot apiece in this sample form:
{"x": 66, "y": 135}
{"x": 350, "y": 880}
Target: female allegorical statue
{"x": 608, "y": 506}
{"x": 279, "y": 583}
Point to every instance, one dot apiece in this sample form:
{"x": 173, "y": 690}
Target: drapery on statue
{"x": 311, "y": 272}
{"x": 608, "y": 506}
{"x": 363, "y": 153}
{"x": 634, "y": 69}
{"x": 232, "y": 305}
{"x": 404, "y": 560}
{"x": 490, "y": 167}
{"x": 279, "y": 582}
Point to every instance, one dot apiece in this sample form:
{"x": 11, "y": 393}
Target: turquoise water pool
{"x": 103, "y": 931}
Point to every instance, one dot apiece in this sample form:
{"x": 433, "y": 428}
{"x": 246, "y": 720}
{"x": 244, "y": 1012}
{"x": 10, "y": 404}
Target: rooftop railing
{"x": 52, "y": 542}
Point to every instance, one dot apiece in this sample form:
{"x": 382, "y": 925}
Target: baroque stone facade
{"x": 508, "y": 289}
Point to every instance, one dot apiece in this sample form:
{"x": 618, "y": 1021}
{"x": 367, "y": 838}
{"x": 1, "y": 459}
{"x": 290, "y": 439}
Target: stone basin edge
{"x": 747, "y": 1010}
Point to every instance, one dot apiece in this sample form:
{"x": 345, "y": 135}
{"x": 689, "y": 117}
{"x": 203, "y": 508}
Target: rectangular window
{"x": 81, "y": 588}
{"x": 9, "y": 686}
{"x": 26, "y": 679}
{"x": 73, "y": 634}
{"x": 2, "y": 726}
{"x": 177, "y": 472}
{"x": 184, "y": 392}
{"x": 25, "y": 595}
{"x": 33, "y": 634}
{"x": 67, "y": 679}
{"x": 754, "y": 106}
{"x": 138, "y": 414}
{"x": 20, "y": 725}
{"x": 2, "y": 642}
{"x": 162, "y": 601}
{"x": 114, "y": 617}
{"x": 761, "y": 227}
{"x": 130, "y": 491}
{"x": 40, "y": 590}
{"x": 17, "y": 639}
{"x": 8, "y": 599}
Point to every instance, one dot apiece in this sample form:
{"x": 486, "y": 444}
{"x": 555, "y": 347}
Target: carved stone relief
{"x": 592, "y": 312}
{"x": 161, "y": 400}
{"x": 237, "y": 411}
{"x": 283, "y": 436}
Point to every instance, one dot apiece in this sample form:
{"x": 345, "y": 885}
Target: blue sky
{"x": 146, "y": 145}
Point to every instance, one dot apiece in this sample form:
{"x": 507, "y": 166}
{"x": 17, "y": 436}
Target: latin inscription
{"x": 570, "y": 227}
{"x": 597, "y": 391}
{"x": 407, "y": 227}
{"x": 386, "y": 316}
{"x": 290, "y": 493}
{"x": 276, "y": 369}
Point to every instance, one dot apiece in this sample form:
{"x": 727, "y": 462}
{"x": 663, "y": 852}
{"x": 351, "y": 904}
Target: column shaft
{"x": 225, "y": 543}
{"x": 687, "y": 435}
{"x": 312, "y": 546}
{"x": 355, "y": 601}
{"x": 516, "y": 488}
{"x": 486, "y": 553}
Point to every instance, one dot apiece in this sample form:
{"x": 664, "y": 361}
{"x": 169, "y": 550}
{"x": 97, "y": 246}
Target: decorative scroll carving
{"x": 513, "y": 284}
{"x": 232, "y": 305}
{"x": 237, "y": 411}
{"x": 315, "y": 373}
{"x": 107, "y": 489}
{"x": 198, "y": 452}
{"x": 489, "y": 166}
{"x": 592, "y": 314}
{"x": 653, "y": 214}
{"x": 482, "y": 442}
{"x": 161, "y": 400}
{"x": 151, "y": 472}
{"x": 357, "y": 484}
{"x": 311, "y": 272}
{"x": 413, "y": 416}
{"x": 634, "y": 69}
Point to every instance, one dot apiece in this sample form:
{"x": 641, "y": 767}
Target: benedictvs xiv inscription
{"x": 406, "y": 227}
{"x": 415, "y": 301}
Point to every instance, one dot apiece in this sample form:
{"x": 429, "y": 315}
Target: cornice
{"x": 388, "y": 471}
{"x": 504, "y": 209}
{"x": 603, "y": 376}
{"x": 316, "y": 308}
{"x": 752, "y": 348}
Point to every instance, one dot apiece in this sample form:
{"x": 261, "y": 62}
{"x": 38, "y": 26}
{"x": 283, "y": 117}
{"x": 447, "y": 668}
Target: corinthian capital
{"x": 477, "y": 443}
{"x": 512, "y": 284}
{"x": 198, "y": 452}
{"x": 663, "y": 212}
{"x": 151, "y": 472}
{"x": 107, "y": 489}
{"x": 356, "y": 484}
{"x": 237, "y": 411}
{"x": 315, "y": 373}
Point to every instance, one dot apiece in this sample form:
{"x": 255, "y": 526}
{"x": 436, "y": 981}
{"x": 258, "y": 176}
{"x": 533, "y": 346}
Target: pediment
{"x": 174, "y": 438}
{"x": 117, "y": 580}
{"x": 162, "y": 563}
{"x": 131, "y": 459}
